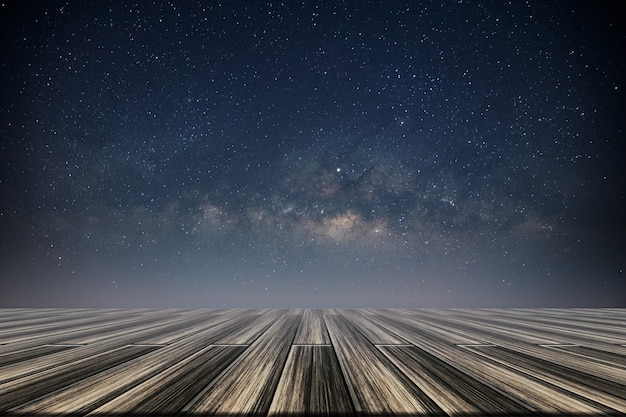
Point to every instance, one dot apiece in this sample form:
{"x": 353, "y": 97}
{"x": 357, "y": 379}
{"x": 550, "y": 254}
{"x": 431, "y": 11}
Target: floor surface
{"x": 301, "y": 362}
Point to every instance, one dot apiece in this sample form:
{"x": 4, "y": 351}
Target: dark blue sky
{"x": 312, "y": 154}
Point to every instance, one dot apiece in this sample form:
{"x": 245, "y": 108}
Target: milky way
{"x": 312, "y": 154}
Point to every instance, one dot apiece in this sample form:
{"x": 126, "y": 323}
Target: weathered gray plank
{"x": 445, "y": 334}
{"x": 259, "y": 321}
{"x": 98, "y": 389}
{"x": 312, "y": 330}
{"x": 248, "y": 385}
{"x": 525, "y": 344}
{"x": 167, "y": 392}
{"x": 23, "y": 319}
{"x": 57, "y": 327}
{"x": 453, "y": 390}
{"x": 312, "y": 384}
{"x": 557, "y": 327}
{"x": 22, "y": 390}
{"x": 373, "y": 332}
{"x": 531, "y": 392}
{"x": 595, "y": 389}
{"x": 376, "y": 386}
{"x": 486, "y": 330}
{"x": 26, "y": 354}
{"x": 142, "y": 321}
{"x": 585, "y": 353}
{"x": 111, "y": 326}
{"x": 221, "y": 326}
{"x": 281, "y": 361}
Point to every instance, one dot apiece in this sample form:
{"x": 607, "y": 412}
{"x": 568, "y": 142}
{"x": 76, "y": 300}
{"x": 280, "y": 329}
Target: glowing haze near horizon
{"x": 312, "y": 154}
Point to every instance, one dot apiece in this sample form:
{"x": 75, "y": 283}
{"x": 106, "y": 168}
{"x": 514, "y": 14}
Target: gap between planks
{"x": 558, "y": 345}
{"x": 311, "y": 344}
{"x": 466, "y": 345}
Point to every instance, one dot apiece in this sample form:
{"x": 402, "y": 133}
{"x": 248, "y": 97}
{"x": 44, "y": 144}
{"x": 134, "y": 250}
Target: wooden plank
{"x": 602, "y": 317}
{"x": 526, "y": 390}
{"x": 142, "y": 321}
{"x": 281, "y": 362}
{"x": 31, "y": 353}
{"x": 596, "y": 355}
{"x": 311, "y": 384}
{"x": 22, "y": 390}
{"x": 106, "y": 342}
{"x": 375, "y": 333}
{"x": 375, "y": 384}
{"x": 26, "y": 319}
{"x": 312, "y": 329}
{"x": 250, "y": 330}
{"x": 57, "y": 327}
{"x": 501, "y": 335}
{"x": 486, "y": 330}
{"x": 453, "y": 390}
{"x": 92, "y": 392}
{"x": 132, "y": 322}
{"x": 562, "y": 358}
{"x": 423, "y": 322}
{"x": 167, "y": 392}
{"x": 248, "y": 385}
{"x": 561, "y": 327}
{"x": 526, "y": 343}
{"x": 596, "y": 390}
{"x": 193, "y": 322}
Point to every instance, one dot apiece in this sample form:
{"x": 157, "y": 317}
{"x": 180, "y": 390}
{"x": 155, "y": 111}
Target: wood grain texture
{"x": 453, "y": 390}
{"x": 373, "y": 382}
{"x": 312, "y": 330}
{"x": 114, "y": 362}
{"x": 248, "y": 386}
{"x": 312, "y": 381}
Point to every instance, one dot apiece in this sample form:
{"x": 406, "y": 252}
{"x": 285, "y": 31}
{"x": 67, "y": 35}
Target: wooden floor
{"x": 295, "y": 362}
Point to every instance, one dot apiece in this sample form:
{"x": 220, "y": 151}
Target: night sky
{"x": 312, "y": 154}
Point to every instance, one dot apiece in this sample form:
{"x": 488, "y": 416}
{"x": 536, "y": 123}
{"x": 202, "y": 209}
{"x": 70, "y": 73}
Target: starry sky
{"x": 312, "y": 153}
